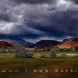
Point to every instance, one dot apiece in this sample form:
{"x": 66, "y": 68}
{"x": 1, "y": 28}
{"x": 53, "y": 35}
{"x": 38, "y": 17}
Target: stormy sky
{"x": 39, "y": 19}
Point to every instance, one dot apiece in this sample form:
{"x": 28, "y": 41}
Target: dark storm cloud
{"x": 60, "y": 24}
{"x": 34, "y": 1}
{"x": 41, "y": 1}
{"x": 34, "y": 21}
{"x": 75, "y": 1}
{"x": 4, "y": 18}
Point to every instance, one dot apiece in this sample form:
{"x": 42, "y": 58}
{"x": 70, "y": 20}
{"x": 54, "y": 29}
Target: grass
{"x": 37, "y": 62}
{"x": 40, "y": 63}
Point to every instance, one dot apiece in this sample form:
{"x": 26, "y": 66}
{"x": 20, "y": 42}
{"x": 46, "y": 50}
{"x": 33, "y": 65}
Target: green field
{"x": 36, "y": 63}
{"x": 40, "y": 65}
{"x": 15, "y": 67}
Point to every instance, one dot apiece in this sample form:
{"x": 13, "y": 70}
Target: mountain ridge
{"x": 66, "y": 43}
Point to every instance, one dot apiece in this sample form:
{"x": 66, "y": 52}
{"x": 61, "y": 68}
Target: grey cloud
{"x": 75, "y": 1}
{"x": 34, "y": 1}
{"x": 4, "y": 18}
{"x": 40, "y": 1}
{"x": 42, "y": 20}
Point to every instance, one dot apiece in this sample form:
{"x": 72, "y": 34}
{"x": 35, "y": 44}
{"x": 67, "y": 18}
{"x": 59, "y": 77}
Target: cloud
{"x": 75, "y": 1}
{"x": 43, "y": 1}
{"x": 38, "y": 21}
{"x": 34, "y": 1}
{"x": 19, "y": 17}
{"x": 5, "y": 17}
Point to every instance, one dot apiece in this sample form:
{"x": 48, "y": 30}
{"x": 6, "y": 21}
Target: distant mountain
{"x": 28, "y": 44}
{"x": 12, "y": 40}
{"x": 22, "y": 42}
{"x": 5, "y": 44}
{"x": 46, "y": 43}
{"x": 68, "y": 43}
{"x": 16, "y": 40}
